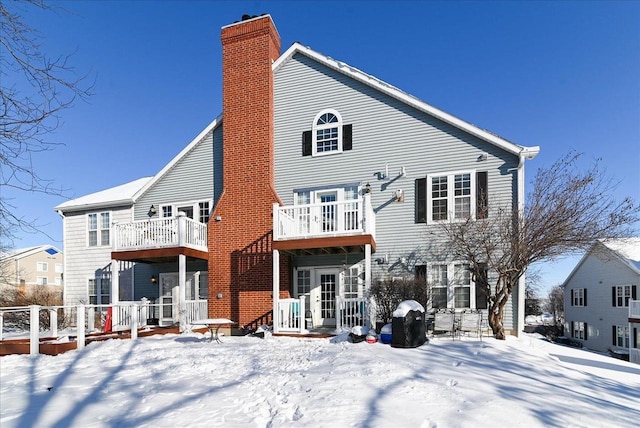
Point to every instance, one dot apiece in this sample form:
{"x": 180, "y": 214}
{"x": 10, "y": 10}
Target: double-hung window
{"x": 579, "y": 297}
{"x": 621, "y": 336}
{"x": 621, "y": 294}
{"x": 351, "y": 282}
{"x": 204, "y": 211}
{"x": 99, "y": 227}
{"x": 99, "y": 291}
{"x": 328, "y": 135}
{"x": 451, "y": 196}
{"x": 439, "y": 285}
{"x": 43, "y": 267}
{"x": 461, "y": 286}
{"x": 579, "y": 330}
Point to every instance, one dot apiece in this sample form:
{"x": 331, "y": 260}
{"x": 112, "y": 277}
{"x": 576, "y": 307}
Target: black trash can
{"x": 408, "y": 327}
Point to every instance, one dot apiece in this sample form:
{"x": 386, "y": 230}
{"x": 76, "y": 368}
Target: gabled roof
{"x": 627, "y": 250}
{"x": 25, "y": 252}
{"x": 214, "y": 124}
{"x": 115, "y": 196}
{"x": 527, "y": 152}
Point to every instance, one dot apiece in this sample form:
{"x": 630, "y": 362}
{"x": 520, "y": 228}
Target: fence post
{"x": 91, "y": 318}
{"x": 302, "y": 315}
{"x": 134, "y": 321}
{"x": 34, "y": 329}
{"x": 338, "y": 313}
{"x": 80, "y": 326}
{"x": 53, "y": 322}
{"x": 144, "y": 311}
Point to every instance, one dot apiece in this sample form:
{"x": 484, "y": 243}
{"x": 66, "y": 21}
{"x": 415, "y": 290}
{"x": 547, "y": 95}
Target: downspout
{"x": 64, "y": 264}
{"x": 527, "y": 153}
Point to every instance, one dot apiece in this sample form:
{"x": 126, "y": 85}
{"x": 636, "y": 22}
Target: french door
{"x": 323, "y": 296}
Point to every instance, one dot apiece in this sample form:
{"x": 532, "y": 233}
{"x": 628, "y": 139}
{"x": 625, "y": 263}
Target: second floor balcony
{"x": 328, "y": 224}
{"x": 180, "y": 231}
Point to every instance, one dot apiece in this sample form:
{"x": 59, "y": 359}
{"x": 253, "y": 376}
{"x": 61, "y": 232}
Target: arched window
{"x": 327, "y": 132}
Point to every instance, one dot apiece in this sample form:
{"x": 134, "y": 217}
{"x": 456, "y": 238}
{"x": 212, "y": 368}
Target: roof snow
{"x": 628, "y": 248}
{"x": 122, "y": 194}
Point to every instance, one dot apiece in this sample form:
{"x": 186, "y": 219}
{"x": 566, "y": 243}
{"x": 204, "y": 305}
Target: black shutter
{"x": 635, "y": 337}
{"x": 306, "y": 143}
{"x": 572, "y": 330}
{"x": 613, "y": 296}
{"x": 421, "y": 200}
{"x": 347, "y": 143}
{"x": 614, "y": 334}
{"x": 482, "y": 200}
{"x": 586, "y": 329}
{"x": 633, "y": 292}
{"x": 585, "y": 297}
{"x": 572, "y": 296}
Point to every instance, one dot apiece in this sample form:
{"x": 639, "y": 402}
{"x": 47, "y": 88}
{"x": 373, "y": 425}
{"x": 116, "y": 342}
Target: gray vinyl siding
{"x": 143, "y": 272}
{"x": 598, "y": 275}
{"x": 190, "y": 179}
{"x": 385, "y": 132}
{"x": 84, "y": 262}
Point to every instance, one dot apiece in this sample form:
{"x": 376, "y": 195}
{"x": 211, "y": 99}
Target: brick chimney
{"x": 240, "y": 229}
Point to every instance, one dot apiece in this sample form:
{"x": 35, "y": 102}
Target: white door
{"x": 328, "y": 215}
{"x": 323, "y": 296}
{"x": 168, "y": 298}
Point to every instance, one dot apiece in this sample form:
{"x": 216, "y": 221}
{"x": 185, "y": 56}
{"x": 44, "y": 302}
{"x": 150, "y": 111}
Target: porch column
{"x": 115, "y": 292}
{"x": 276, "y": 289}
{"x": 367, "y": 280}
{"x": 182, "y": 292}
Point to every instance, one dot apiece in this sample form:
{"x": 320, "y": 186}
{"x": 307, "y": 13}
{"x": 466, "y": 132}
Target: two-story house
{"x": 320, "y": 179}
{"x": 598, "y": 295}
{"x": 42, "y": 265}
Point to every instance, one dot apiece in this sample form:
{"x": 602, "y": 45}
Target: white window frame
{"x": 172, "y": 209}
{"x": 623, "y": 295}
{"x": 99, "y": 229}
{"x": 349, "y": 275}
{"x": 452, "y": 284}
{"x": 451, "y": 196}
{"x": 42, "y": 267}
{"x": 578, "y": 330}
{"x": 316, "y": 127}
{"x": 622, "y": 336}
{"x": 577, "y": 297}
{"x": 42, "y": 280}
{"x": 103, "y": 289}
{"x": 59, "y": 268}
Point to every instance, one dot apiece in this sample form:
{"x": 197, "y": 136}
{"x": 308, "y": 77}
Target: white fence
{"x": 125, "y": 316}
{"x": 180, "y": 231}
{"x": 292, "y": 316}
{"x": 350, "y": 217}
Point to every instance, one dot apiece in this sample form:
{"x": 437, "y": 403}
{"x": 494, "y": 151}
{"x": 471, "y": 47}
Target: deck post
{"x": 367, "y": 282}
{"x": 115, "y": 292}
{"x": 276, "y": 290}
{"x": 302, "y": 317}
{"x": 80, "y": 326}
{"x": 182, "y": 291}
{"x": 134, "y": 321}
{"x": 53, "y": 322}
{"x": 34, "y": 329}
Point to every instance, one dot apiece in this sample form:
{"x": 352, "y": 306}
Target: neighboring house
{"x": 29, "y": 267}
{"x": 598, "y": 295}
{"x": 324, "y": 180}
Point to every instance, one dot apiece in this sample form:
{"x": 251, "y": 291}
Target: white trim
{"x": 451, "y": 196}
{"x": 528, "y": 152}
{"x": 314, "y": 134}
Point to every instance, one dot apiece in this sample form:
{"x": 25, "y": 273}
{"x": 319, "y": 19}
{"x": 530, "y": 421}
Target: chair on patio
{"x": 445, "y": 322}
{"x": 470, "y": 323}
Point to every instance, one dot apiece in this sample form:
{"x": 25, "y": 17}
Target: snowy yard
{"x": 171, "y": 381}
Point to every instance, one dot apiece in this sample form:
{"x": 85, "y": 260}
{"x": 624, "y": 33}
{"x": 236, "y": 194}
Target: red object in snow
{"x": 107, "y": 322}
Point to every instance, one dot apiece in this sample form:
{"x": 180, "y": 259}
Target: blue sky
{"x": 560, "y": 75}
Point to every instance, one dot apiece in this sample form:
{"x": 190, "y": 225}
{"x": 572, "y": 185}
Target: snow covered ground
{"x": 183, "y": 380}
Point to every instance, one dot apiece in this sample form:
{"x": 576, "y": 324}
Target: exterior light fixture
{"x": 367, "y": 188}
{"x": 152, "y": 211}
{"x": 154, "y": 279}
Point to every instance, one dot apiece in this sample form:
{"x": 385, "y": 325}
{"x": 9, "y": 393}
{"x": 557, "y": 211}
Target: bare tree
{"x": 567, "y": 210}
{"x": 555, "y": 304}
{"x": 34, "y": 90}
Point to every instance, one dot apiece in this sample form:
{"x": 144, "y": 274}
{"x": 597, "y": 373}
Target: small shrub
{"x": 388, "y": 294}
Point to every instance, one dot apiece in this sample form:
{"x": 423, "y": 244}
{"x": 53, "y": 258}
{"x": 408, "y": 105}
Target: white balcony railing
{"x": 634, "y": 309}
{"x": 160, "y": 233}
{"x": 343, "y": 218}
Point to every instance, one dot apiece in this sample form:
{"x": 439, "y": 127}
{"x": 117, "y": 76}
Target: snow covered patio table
{"x": 214, "y": 324}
